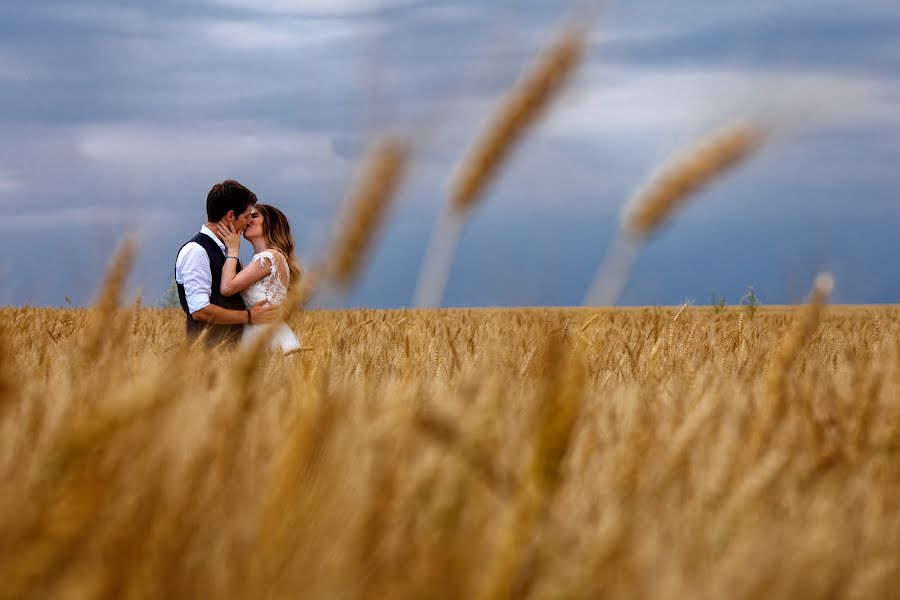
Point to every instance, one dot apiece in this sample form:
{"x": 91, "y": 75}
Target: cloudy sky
{"x": 119, "y": 116}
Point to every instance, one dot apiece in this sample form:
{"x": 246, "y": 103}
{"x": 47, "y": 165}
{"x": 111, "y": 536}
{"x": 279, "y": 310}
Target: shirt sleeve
{"x": 193, "y": 272}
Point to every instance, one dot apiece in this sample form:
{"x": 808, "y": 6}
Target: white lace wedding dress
{"x": 269, "y": 288}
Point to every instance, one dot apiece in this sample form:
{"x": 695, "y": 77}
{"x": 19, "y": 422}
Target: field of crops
{"x": 539, "y": 453}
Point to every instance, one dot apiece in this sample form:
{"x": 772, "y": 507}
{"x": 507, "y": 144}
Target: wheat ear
{"x": 382, "y": 175}
{"x": 97, "y": 334}
{"x": 687, "y": 173}
{"x": 801, "y": 332}
{"x": 518, "y": 111}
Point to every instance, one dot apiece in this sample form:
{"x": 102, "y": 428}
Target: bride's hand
{"x": 230, "y": 237}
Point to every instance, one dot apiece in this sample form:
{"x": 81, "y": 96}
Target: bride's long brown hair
{"x": 277, "y": 233}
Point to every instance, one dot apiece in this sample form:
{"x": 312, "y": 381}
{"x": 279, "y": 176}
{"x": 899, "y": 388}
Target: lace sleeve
{"x": 275, "y": 289}
{"x": 287, "y": 269}
{"x": 264, "y": 256}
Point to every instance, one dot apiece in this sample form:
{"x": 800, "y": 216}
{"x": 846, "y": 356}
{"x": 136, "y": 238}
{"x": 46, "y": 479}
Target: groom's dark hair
{"x": 225, "y": 196}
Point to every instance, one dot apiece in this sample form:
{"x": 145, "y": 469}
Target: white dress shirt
{"x": 193, "y": 272}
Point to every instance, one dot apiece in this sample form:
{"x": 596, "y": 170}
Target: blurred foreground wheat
{"x": 583, "y": 453}
{"x": 458, "y": 453}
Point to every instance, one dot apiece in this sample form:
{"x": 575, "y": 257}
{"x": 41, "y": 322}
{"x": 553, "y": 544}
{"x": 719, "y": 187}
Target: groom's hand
{"x": 263, "y": 312}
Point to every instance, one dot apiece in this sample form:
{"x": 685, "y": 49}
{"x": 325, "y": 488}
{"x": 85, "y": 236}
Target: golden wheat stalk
{"x": 771, "y": 416}
{"x": 672, "y": 325}
{"x": 67, "y": 494}
{"x": 242, "y": 391}
{"x": 108, "y": 300}
{"x": 800, "y": 334}
{"x": 298, "y": 459}
{"x": 119, "y": 268}
{"x": 558, "y": 412}
{"x": 9, "y": 386}
{"x": 241, "y": 394}
{"x": 688, "y": 173}
{"x": 438, "y": 260}
{"x": 517, "y": 562}
{"x": 382, "y": 174}
{"x": 613, "y": 273}
{"x": 519, "y": 110}
{"x": 441, "y": 429}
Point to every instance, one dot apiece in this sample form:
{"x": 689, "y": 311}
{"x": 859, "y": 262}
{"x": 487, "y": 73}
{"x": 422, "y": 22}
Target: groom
{"x": 198, "y": 271}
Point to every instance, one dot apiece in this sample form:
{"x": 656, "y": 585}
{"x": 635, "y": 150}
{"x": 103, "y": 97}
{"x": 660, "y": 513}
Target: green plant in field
{"x": 751, "y": 302}
{"x": 170, "y": 297}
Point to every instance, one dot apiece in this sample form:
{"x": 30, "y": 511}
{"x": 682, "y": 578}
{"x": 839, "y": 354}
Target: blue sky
{"x": 119, "y": 116}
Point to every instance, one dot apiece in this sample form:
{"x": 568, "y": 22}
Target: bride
{"x": 269, "y": 273}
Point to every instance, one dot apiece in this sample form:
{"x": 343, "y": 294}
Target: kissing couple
{"x": 222, "y": 299}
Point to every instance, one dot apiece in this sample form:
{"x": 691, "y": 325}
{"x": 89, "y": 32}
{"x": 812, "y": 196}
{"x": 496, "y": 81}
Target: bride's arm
{"x": 233, "y": 282}
{"x": 261, "y": 312}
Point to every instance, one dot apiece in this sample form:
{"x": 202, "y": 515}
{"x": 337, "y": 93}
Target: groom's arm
{"x": 220, "y": 316}
{"x": 193, "y": 272}
{"x": 261, "y": 312}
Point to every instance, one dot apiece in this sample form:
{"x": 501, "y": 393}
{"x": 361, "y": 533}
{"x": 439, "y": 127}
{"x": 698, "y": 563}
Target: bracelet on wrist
{"x": 234, "y": 257}
{"x": 249, "y": 317}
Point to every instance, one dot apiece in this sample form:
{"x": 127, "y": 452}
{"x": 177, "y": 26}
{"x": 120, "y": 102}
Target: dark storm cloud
{"x": 831, "y": 39}
{"x": 120, "y": 115}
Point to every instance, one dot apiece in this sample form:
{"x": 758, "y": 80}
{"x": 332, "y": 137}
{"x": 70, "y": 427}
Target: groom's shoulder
{"x": 198, "y": 241}
{"x": 191, "y": 247}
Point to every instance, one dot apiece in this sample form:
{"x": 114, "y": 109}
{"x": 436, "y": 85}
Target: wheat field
{"x": 558, "y": 454}
{"x": 485, "y": 453}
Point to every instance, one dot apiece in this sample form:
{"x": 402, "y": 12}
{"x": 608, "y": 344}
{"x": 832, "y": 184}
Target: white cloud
{"x": 449, "y": 12}
{"x": 75, "y": 216}
{"x": 140, "y": 149}
{"x": 292, "y": 33}
{"x": 9, "y": 181}
{"x": 621, "y": 102}
{"x": 124, "y": 19}
{"x": 313, "y": 7}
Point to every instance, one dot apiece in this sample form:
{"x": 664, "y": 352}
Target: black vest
{"x": 218, "y": 334}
